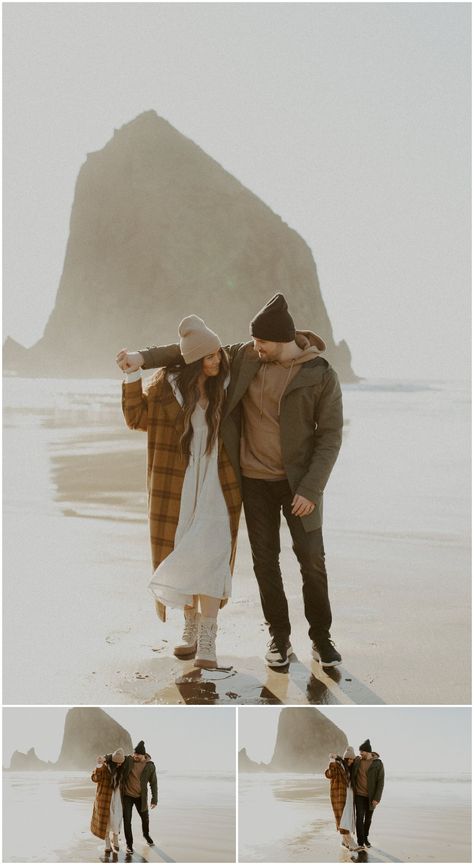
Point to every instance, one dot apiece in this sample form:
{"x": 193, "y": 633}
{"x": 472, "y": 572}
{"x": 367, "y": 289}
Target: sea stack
{"x": 305, "y": 738}
{"x": 159, "y": 230}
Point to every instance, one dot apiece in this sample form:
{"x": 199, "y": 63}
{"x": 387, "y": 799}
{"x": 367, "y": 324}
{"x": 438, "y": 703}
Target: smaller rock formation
{"x": 28, "y": 762}
{"x": 248, "y": 765}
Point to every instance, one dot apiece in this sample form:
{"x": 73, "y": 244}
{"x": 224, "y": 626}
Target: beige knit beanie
{"x": 196, "y": 340}
{"x": 349, "y": 753}
{"x": 118, "y": 756}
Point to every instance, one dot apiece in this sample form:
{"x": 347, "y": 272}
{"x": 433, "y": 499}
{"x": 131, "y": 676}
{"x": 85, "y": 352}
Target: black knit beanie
{"x": 274, "y": 322}
{"x": 366, "y": 746}
{"x": 140, "y": 748}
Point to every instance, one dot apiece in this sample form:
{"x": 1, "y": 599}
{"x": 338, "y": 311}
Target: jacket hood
{"x": 312, "y": 338}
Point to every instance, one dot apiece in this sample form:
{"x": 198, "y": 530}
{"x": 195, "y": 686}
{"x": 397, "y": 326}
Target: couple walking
{"x": 356, "y": 784}
{"x": 259, "y": 421}
{"x": 122, "y": 783}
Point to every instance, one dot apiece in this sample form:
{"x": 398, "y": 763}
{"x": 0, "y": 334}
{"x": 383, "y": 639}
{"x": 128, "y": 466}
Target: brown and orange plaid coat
{"x": 103, "y": 795}
{"x": 339, "y": 784}
{"x": 157, "y": 411}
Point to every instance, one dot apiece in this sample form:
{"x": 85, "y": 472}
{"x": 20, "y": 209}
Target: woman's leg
{"x": 209, "y": 606}
{"x": 206, "y": 647}
{"x": 194, "y": 604}
{"x": 188, "y": 645}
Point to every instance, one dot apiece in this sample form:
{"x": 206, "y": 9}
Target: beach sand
{"x": 79, "y": 622}
{"x": 193, "y": 822}
{"x": 288, "y": 818}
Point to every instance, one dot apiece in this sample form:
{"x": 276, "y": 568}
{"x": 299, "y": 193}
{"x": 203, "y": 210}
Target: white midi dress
{"x": 200, "y": 561}
{"x": 116, "y": 812}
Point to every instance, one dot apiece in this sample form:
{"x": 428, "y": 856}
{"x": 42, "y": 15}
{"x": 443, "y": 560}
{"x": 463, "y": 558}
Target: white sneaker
{"x": 206, "y": 644}
{"x": 188, "y": 645}
{"x": 278, "y": 653}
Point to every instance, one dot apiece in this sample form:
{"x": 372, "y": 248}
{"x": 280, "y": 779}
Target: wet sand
{"x": 288, "y": 818}
{"x": 79, "y": 624}
{"x": 193, "y": 822}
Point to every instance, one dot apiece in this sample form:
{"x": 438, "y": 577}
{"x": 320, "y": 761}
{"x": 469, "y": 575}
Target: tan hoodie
{"x": 260, "y": 447}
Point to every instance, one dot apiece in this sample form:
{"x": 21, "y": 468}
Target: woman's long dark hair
{"x": 115, "y": 770}
{"x": 187, "y": 383}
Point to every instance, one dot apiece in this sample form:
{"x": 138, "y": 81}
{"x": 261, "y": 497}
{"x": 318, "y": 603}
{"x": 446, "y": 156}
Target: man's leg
{"x": 262, "y": 514}
{"x": 361, "y": 806}
{"x": 368, "y": 820}
{"x": 309, "y": 550}
{"x": 145, "y": 815}
{"x": 127, "y": 820}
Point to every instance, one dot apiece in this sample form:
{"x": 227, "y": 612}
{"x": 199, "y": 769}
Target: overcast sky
{"x": 177, "y": 739}
{"x": 409, "y": 739}
{"x": 350, "y": 120}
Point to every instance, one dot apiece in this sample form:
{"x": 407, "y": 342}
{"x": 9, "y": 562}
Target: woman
{"x": 107, "y": 811}
{"x": 193, "y": 493}
{"x": 342, "y": 798}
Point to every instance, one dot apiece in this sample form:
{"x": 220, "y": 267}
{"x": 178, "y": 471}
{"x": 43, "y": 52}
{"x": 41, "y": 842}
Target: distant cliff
{"x": 88, "y": 732}
{"x": 159, "y": 230}
{"x": 305, "y": 738}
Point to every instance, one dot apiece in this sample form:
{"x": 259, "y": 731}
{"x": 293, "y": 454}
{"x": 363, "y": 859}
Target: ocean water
{"x": 288, "y": 817}
{"x": 403, "y": 469}
{"x": 47, "y": 816}
{"x": 397, "y": 522}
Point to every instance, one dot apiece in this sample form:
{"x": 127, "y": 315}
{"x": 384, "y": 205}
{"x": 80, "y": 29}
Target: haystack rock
{"x": 158, "y": 230}
{"x": 305, "y": 738}
{"x": 88, "y": 732}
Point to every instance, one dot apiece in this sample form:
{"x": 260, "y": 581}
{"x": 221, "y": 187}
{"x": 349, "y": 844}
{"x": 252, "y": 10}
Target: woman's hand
{"x": 129, "y": 361}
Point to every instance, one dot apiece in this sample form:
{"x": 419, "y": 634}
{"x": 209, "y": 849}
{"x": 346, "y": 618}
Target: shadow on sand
{"x": 152, "y": 854}
{"x": 317, "y": 686}
{"x": 374, "y": 855}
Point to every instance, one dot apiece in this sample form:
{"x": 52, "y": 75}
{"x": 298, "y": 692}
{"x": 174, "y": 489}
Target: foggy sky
{"x": 177, "y": 739}
{"x": 350, "y": 120}
{"x": 409, "y": 739}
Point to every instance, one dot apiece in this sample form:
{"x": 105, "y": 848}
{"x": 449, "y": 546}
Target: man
{"x": 138, "y": 771}
{"x": 282, "y": 428}
{"x": 367, "y": 782}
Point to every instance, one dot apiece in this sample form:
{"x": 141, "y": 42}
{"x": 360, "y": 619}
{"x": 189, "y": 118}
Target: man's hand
{"x": 301, "y": 507}
{"x": 153, "y": 805}
{"x": 129, "y": 361}
{"x": 374, "y": 804}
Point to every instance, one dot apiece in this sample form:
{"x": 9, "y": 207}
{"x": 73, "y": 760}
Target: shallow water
{"x": 76, "y": 557}
{"x": 288, "y": 818}
{"x": 55, "y": 810}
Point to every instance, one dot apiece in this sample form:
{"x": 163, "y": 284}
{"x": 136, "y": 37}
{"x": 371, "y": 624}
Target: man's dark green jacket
{"x": 148, "y": 776}
{"x": 375, "y": 778}
{"x": 310, "y": 418}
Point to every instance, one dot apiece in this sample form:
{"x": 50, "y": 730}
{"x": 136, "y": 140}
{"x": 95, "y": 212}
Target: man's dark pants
{"x": 263, "y": 503}
{"x": 363, "y": 818}
{"x": 128, "y": 803}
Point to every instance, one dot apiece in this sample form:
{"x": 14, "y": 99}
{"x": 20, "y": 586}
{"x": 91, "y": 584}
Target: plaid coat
{"x": 339, "y": 784}
{"x": 103, "y": 795}
{"x": 157, "y": 412}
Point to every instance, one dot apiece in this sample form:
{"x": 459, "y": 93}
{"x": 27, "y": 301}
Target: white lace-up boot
{"x": 206, "y": 644}
{"x": 188, "y": 645}
{"x": 349, "y": 842}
